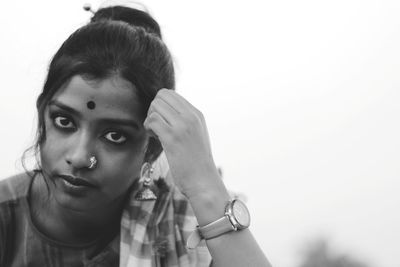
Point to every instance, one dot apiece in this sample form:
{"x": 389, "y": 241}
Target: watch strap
{"x": 216, "y": 228}
{"x": 209, "y": 231}
{"x": 194, "y": 239}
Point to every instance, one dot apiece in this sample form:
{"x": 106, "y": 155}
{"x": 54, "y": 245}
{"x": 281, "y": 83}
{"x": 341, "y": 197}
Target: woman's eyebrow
{"x": 60, "y": 105}
{"x": 121, "y": 122}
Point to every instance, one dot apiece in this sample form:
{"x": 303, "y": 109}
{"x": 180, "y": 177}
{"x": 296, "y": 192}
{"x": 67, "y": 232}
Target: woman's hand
{"x": 182, "y": 131}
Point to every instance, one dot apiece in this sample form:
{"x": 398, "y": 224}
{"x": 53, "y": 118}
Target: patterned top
{"x": 152, "y": 234}
{"x": 22, "y": 244}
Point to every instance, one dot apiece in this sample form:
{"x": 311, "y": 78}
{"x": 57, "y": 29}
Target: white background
{"x": 301, "y": 98}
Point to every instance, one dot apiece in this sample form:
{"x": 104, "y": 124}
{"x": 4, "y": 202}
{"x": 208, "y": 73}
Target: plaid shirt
{"x": 153, "y": 233}
{"x": 22, "y": 244}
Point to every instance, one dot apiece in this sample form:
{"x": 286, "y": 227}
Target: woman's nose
{"x": 80, "y": 150}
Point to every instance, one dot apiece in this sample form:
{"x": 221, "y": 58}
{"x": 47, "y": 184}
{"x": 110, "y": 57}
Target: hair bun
{"x": 132, "y": 16}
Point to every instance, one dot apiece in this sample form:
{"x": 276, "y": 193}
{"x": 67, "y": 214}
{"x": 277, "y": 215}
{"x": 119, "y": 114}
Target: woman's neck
{"x": 69, "y": 226}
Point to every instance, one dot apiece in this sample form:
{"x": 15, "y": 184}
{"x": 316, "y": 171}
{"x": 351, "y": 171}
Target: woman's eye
{"x": 115, "y": 137}
{"x": 63, "y": 122}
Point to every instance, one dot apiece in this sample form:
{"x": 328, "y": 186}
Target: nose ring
{"x": 93, "y": 162}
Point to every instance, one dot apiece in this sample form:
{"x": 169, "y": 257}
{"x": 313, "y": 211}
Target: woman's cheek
{"x": 49, "y": 153}
{"x": 118, "y": 174}
{"x": 53, "y": 147}
{"x": 125, "y": 163}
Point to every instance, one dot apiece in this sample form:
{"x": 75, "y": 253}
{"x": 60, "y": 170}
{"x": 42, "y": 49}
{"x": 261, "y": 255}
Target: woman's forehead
{"x": 113, "y": 96}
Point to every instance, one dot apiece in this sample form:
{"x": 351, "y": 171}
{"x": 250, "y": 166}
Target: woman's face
{"x": 93, "y": 118}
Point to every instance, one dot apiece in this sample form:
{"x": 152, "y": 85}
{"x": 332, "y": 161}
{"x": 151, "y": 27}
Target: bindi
{"x": 91, "y": 105}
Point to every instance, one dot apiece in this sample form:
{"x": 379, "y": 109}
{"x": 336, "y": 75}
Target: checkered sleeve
{"x": 154, "y": 233}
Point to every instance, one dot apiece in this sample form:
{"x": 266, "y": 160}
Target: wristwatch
{"x": 236, "y": 217}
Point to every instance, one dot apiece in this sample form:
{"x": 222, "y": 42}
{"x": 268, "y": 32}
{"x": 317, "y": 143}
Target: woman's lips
{"x": 75, "y": 181}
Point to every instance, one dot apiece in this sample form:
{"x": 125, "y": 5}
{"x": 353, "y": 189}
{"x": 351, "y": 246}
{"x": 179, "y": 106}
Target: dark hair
{"x": 132, "y": 16}
{"x": 117, "y": 41}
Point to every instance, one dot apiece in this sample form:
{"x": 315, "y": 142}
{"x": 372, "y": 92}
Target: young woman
{"x": 103, "y": 194}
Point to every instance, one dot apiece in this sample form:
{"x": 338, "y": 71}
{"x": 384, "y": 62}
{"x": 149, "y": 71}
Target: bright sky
{"x": 301, "y": 99}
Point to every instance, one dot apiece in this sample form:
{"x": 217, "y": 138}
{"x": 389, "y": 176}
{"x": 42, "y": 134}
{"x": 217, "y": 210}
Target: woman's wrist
{"x": 209, "y": 204}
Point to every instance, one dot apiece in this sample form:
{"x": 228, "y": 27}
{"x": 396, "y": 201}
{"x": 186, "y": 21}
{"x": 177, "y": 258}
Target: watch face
{"x": 241, "y": 213}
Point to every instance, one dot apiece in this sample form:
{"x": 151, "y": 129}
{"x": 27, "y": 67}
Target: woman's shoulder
{"x": 13, "y": 192}
{"x": 14, "y": 187}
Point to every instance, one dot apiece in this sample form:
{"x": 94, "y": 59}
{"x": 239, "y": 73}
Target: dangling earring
{"x": 147, "y": 184}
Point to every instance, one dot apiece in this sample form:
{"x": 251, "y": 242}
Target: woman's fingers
{"x": 167, "y": 96}
{"x": 168, "y": 113}
{"x": 156, "y": 123}
{"x": 178, "y": 102}
{"x": 174, "y": 120}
